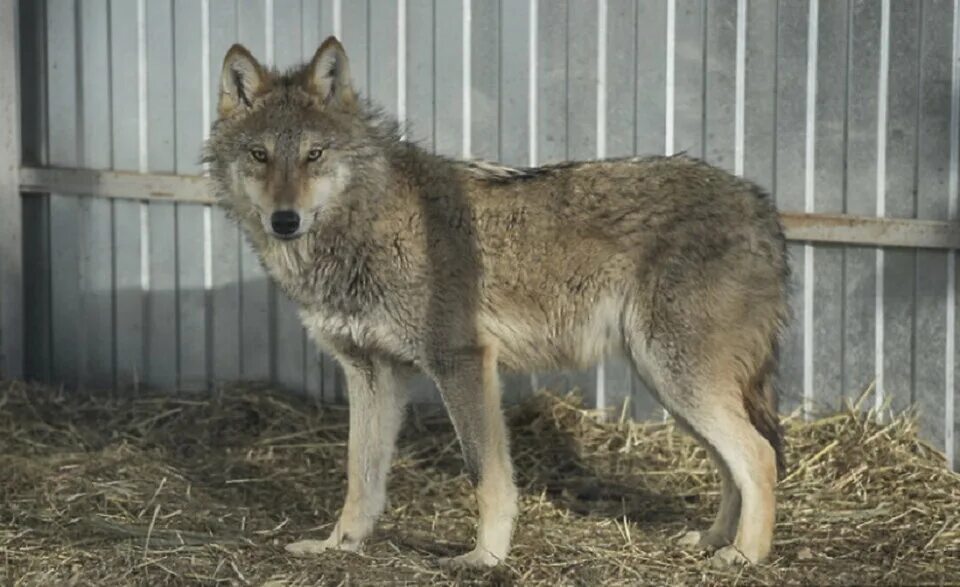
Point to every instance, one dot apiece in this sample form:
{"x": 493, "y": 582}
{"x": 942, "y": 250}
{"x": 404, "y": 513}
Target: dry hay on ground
{"x": 207, "y": 489}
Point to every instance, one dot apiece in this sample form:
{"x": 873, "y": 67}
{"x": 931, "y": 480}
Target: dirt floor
{"x": 188, "y": 489}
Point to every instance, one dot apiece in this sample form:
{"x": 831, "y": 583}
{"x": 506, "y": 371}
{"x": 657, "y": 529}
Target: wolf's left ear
{"x": 328, "y": 75}
{"x": 241, "y": 80}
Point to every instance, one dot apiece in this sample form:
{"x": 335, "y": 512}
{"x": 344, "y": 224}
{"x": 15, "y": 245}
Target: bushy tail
{"x": 762, "y": 405}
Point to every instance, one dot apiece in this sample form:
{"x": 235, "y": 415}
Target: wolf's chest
{"x": 368, "y": 332}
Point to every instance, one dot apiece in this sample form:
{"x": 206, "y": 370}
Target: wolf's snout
{"x": 285, "y": 222}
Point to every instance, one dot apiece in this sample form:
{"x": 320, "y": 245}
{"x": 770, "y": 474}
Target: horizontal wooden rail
{"x": 814, "y": 228}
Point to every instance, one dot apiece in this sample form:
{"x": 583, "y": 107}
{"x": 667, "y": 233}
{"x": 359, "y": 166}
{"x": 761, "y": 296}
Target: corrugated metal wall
{"x": 837, "y": 106}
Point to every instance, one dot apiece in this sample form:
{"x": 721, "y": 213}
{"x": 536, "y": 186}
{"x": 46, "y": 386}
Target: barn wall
{"x": 842, "y": 106}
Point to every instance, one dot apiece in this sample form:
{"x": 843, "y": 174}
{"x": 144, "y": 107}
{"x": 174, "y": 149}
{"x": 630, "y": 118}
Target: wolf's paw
{"x": 692, "y": 540}
{"x": 728, "y": 556}
{"x": 696, "y": 540}
{"x": 475, "y": 559}
{"x": 308, "y": 547}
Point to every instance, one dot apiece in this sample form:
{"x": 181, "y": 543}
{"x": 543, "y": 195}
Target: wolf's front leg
{"x": 470, "y": 388}
{"x": 377, "y": 402}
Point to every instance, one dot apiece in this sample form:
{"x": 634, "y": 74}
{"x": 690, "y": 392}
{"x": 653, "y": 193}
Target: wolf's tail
{"x": 762, "y": 405}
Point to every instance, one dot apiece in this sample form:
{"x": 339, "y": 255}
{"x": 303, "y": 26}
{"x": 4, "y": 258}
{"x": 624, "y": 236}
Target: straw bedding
{"x": 152, "y": 489}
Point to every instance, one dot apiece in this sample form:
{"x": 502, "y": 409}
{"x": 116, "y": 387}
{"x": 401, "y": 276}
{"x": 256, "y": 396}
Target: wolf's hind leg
{"x": 377, "y": 402}
{"x": 715, "y": 414}
{"x": 724, "y": 528}
{"x": 470, "y": 388}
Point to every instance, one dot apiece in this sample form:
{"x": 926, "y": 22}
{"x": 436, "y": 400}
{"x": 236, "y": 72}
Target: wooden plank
{"x": 225, "y": 237}
{"x": 829, "y": 156}
{"x": 900, "y": 183}
{"x": 420, "y": 73}
{"x": 61, "y": 73}
{"x": 649, "y": 94}
{"x": 719, "y": 108}
{"x": 860, "y": 263}
{"x": 688, "y": 77}
{"x": 933, "y": 194}
{"x": 125, "y": 116}
{"x": 11, "y": 215}
{"x": 161, "y": 319}
{"x": 789, "y": 180}
{"x": 256, "y": 326}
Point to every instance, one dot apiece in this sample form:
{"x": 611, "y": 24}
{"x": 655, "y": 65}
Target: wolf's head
{"x": 285, "y": 146}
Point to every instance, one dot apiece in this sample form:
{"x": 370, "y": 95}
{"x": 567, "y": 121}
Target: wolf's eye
{"x": 259, "y": 154}
{"x": 314, "y": 154}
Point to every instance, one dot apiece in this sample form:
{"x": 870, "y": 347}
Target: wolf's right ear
{"x": 328, "y": 75}
{"x": 241, "y": 80}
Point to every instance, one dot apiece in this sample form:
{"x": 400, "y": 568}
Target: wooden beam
{"x": 11, "y": 215}
{"x": 814, "y": 228}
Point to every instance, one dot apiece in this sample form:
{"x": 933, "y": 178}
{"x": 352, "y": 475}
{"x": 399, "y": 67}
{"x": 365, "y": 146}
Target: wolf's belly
{"x": 564, "y": 338}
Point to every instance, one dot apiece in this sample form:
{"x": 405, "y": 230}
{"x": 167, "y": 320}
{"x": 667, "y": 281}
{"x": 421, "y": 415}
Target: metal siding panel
{"x": 160, "y": 344}
{"x": 448, "y": 84}
{"x": 760, "y": 91}
{"x": 420, "y": 72}
{"x": 899, "y": 302}
{"x": 514, "y": 127}
{"x": 689, "y": 77}
{"x": 191, "y": 294}
{"x": 36, "y": 282}
{"x": 581, "y": 79}
{"x": 356, "y": 40}
{"x": 552, "y": 82}
{"x": 225, "y": 298}
{"x": 288, "y": 24}
{"x": 719, "y": 107}
{"x": 621, "y": 82}
{"x": 225, "y": 319}
{"x": 933, "y": 164}
{"x": 860, "y": 263}
{"x": 829, "y": 157}
{"x": 161, "y": 340}
{"x": 485, "y": 80}
{"x": 129, "y": 299}
{"x": 36, "y": 209}
{"x": 789, "y": 180}
{"x": 651, "y": 77}
{"x": 96, "y": 255}
{"x": 383, "y": 55}
{"x": 62, "y": 73}
{"x": 255, "y": 313}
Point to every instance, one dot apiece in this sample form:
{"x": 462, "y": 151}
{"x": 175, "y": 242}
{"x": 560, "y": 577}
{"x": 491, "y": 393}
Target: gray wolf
{"x": 401, "y": 260}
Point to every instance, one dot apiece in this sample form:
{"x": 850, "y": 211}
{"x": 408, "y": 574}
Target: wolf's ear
{"x": 241, "y": 79}
{"x": 328, "y": 75}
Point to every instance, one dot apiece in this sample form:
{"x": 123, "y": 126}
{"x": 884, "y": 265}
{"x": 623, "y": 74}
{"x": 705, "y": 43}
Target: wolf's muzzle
{"x": 285, "y": 223}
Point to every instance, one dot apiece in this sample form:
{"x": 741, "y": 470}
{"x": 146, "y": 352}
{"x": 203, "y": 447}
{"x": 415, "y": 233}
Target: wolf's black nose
{"x": 285, "y": 222}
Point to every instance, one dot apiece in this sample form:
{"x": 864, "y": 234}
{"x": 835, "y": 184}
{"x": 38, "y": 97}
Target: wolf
{"x": 404, "y": 261}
